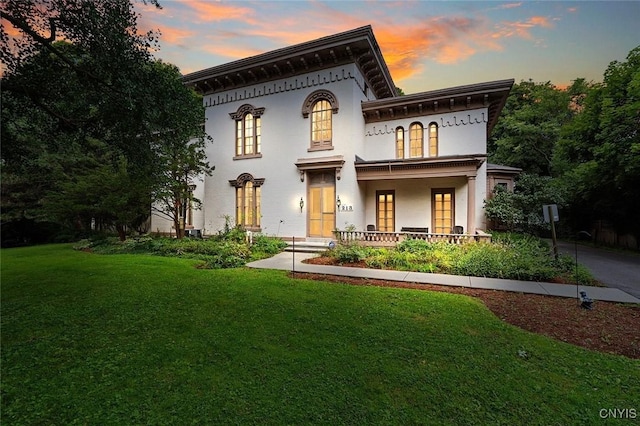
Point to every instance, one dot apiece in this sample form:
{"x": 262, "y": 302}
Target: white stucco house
{"x": 313, "y": 137}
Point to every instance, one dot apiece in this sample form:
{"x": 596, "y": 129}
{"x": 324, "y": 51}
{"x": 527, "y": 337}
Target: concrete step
{"x": 317, "y": 245}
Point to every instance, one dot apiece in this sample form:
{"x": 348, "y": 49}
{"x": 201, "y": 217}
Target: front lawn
{"x": 131, "y": 339}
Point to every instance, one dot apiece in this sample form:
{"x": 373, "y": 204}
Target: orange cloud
{"x": 175, "y": 35}
{"x": 521, "y": 29}
{"x": 208, "y": 11}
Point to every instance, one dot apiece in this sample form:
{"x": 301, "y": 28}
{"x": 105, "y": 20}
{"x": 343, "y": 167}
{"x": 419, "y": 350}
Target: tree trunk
{"x": 122, "y": 234}
{"x": 179, "y": 228}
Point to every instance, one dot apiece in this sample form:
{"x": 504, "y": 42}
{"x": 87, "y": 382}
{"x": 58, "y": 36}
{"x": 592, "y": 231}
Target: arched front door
{"x": 322, "y": 204}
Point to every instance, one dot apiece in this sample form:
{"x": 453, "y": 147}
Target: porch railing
{"x": 378, "y": 238}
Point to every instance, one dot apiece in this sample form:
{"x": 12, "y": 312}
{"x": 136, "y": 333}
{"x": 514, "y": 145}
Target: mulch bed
{"x": 609, "y": 327}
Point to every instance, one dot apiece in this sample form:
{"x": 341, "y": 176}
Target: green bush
{"x": 224, "y": 251}
{"x": 264, "y": 246}
{"x": 509, "y": 255}
{"x": 351, "y": 253}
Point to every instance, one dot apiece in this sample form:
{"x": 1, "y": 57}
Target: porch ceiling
{"x": 452, "y": 166}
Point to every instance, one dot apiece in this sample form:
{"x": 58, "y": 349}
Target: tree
{"x": 521, "y": 210}
{"x": 180, "y": 148}
{"x": 93, "y": 115}
{"x": 599, "y": 153}
{"x": 529, "y": 127}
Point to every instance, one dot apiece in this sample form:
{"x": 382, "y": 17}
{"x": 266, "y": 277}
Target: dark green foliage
{"x": 599, "y": 153}
{"x": 509, "y": 256}
{"x": 350, "y": 253}
{"x": 215, "y": 253}
{"x": 529, "y": 127}
{"x": 521, "y": 210}
{"x": 264, "y": 247}
{"x": 93, "y": 128}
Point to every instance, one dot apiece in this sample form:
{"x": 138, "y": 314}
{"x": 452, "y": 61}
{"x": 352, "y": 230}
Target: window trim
{"x": 240, "y": 187}
{"x": 434, "y": 192}
{"x": 400, "y": 150}
{"x": 308, "y": 107}
{"x": 239, "y": 118}
{"x": 419, "y": 125}
{"x": 435, "y": 146}
{"x": 386, "y": 192}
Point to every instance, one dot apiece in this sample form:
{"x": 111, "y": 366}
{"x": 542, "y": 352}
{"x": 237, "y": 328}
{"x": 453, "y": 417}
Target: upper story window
{"x": 400, "y": 142}
{"x": 248, "y": 131}
{"x": 416, "y": 140}
{"x": 320, "y": 107}
{"x": 433, "y": 140}
{"x": 321, "y": 125}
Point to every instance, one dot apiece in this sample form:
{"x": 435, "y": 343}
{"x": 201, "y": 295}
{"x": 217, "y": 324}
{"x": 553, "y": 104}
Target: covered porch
{"x": 434, "y": 198}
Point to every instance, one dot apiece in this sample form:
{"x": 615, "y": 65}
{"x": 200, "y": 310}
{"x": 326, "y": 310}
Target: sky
{"x": 427, "y": 45}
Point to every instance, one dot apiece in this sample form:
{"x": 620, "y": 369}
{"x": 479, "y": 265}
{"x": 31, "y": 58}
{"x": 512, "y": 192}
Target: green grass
{"x": 138, "y": 339}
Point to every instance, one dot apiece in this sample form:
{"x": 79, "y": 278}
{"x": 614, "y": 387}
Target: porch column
{"x": 471, "y": 205}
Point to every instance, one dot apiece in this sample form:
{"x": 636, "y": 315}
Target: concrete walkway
{"x": 285, "y": 261}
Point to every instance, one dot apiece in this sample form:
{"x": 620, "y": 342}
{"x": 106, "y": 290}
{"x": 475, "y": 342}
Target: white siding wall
{"x": 459, "y": 133}
{"x": 285, "y": 139}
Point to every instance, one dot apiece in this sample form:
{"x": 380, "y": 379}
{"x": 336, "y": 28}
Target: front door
{"x": 322, "y": 204}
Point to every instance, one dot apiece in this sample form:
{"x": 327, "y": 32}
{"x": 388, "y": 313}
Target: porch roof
{"x": 449, "y": 166}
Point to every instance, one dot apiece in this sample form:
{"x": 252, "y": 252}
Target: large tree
{"x": 599, "y": 152}
{"x": 529, "y": 127}
{"x": 87, "y": 119}
{"x": 179, "y": 148}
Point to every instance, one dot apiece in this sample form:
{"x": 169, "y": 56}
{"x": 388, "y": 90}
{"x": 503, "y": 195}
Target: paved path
{"x": 285, "y": 261}
{"x": 612, "y": 268}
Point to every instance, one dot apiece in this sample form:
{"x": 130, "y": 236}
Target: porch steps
{"x": 311, "y": 245}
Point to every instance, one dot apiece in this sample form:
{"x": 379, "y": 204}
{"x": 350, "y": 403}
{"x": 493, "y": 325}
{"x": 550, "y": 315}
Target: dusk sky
{"x": 427, "y": 44}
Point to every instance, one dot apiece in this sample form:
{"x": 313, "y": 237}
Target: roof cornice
{"x": 491, "y": 95}
{"x": 357, "y": 46}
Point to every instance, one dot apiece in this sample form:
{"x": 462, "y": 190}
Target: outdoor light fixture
{"x": 301, "y": 204}
{"x": 338, "y": 202}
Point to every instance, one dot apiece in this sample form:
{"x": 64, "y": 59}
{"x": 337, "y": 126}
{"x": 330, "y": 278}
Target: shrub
{"x": 264, "y": 246}
{"x": 351, "y": 253}
{"x": 229, "y": 254}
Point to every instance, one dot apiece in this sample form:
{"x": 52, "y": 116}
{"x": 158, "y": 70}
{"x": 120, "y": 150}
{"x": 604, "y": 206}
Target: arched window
{"x": 399, "y": 142}
{"x": 416, "y": 140}
{"x": 248, "y": 194}
{"x": 433, "y": 140}
{"x": 321, "y": 122}
{"x": 320, "y": 107}
{"x": 248, "y": 130}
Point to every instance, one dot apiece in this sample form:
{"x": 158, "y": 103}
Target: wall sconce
{"x": 301, "y": 204}
{"x": 338, "y": 202}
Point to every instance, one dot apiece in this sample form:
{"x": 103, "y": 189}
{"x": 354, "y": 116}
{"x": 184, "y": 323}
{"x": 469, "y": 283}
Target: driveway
{"x": 612, "y": 268}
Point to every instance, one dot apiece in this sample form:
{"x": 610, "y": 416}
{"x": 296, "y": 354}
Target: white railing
{"x": 377, "y": 238}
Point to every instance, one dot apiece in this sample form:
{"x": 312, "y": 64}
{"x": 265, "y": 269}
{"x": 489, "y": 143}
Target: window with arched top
{"x": 400, "y": 142}
{"x": 416, "y": 140}
{"x": 433, "y": 140}
{"x": 320, "y": 106}
{"x": 248, "y": 130}
{"x": 248, "y": 194}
